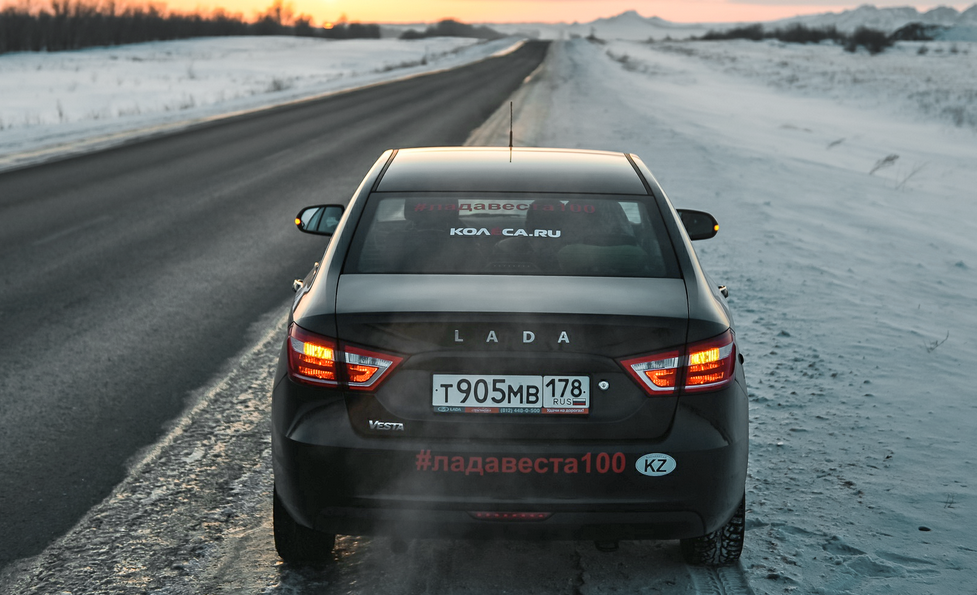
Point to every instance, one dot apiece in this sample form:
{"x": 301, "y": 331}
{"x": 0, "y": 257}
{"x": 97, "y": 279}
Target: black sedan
{"x": 510, "y": 343}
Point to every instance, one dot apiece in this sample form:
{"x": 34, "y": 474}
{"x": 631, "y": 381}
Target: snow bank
{"x": 51, "y": 103}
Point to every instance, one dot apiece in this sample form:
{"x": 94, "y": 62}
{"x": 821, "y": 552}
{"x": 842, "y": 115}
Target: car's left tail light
{"x": 312, "y": 358}
{"x": 323, "y": 361}
{"x": 700, "y": 367}
{"x": 365, "y": 370}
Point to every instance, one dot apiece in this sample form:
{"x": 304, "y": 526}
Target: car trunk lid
{"x": 507, "y": 328}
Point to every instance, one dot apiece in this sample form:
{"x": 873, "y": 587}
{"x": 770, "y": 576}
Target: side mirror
{"x": 321, "y": 220}
{"x": 699, "y": 224}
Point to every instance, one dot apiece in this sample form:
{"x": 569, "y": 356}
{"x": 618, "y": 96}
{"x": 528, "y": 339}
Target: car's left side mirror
{"x": 699, "y": 224}
{"x": 321, "y": 220}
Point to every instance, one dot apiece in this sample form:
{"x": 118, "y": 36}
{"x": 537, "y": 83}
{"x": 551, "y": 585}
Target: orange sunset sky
{"x": 508, "y": 11}
{"x": 516, "y": 11}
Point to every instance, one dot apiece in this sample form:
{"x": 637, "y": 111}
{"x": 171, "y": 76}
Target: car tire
{"x": 297, "y": 543}
{"x": 721, "y": 547}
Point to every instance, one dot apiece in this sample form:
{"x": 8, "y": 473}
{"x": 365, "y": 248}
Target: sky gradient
{"x": 521, "y": 11}
{"x": 503, "y": 11}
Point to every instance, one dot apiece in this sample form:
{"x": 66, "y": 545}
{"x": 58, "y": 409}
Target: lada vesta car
{"x": 510, "y": 343}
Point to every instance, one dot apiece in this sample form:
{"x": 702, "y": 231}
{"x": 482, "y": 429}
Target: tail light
{"x": 702, "y": 366}
{"x": 321, "y": 361}
{"x": 710, "y": 364}
{"x": 365, "y": 369}
{"x": 312, "y": 358}
{"x": 657, "y": 374}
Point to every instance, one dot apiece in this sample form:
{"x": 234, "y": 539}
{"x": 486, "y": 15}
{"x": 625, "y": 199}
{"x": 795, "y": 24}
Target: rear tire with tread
{"x": 721, "y": 547}
{"x": 296, "y": 543}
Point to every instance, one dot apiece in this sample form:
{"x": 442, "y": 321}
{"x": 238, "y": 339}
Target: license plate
{"x": 473, "y": 393}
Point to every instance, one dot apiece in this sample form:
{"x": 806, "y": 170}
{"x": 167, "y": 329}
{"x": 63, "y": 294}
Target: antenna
{"x": 510, "y": 132}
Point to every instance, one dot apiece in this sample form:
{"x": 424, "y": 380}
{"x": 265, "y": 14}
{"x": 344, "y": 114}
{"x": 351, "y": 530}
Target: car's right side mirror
{"x": 321, "y": 220}
{"x": 699, "y": 224}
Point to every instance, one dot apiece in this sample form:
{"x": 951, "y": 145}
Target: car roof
{"x": 521, "y": 169}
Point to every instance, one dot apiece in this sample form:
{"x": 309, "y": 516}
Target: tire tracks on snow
{"x": 726, "y": 580}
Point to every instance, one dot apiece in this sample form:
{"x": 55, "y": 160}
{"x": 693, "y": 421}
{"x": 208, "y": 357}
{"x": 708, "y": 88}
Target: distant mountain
{"x": 630, "y": 25}
{"x": 885, "y": 19}
{"x": 942, "y": 15}
{"x": 969, "y": 16}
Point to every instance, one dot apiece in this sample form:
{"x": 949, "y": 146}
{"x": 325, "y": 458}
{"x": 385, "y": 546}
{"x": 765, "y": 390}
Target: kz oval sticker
{"x": 655, "y": 465}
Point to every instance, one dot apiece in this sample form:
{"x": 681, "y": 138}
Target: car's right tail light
{"x": 700, "y": 367}
{"x": 710, "y": 363}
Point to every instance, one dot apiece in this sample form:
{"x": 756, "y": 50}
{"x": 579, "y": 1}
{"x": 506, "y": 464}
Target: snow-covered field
{"x": 52, "y": 103}
{"x": 849, "y": 245}
{"x": 911, "y": 80}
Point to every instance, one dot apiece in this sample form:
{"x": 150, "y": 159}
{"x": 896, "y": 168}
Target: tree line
{"x": 76, "y": 24}
{"x": 453, "y": 28}
{"x": 873, "y": 40}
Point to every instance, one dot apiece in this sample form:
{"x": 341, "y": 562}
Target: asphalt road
{"x": 128, "y": 277}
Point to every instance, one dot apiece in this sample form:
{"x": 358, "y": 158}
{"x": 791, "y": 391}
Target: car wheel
{"x": 721, "y": 547}
{"x": 296, "y": 543}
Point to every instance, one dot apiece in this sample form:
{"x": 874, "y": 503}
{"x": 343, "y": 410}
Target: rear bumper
{"x": 336, "y": 480}
{"x": 424, "y": 523}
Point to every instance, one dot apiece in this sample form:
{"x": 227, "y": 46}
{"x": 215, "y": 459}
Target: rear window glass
{"x": 593, "y": 236}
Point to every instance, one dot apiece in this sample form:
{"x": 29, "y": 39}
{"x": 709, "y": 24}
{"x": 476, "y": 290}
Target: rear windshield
{"x": 593, "y": 236}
